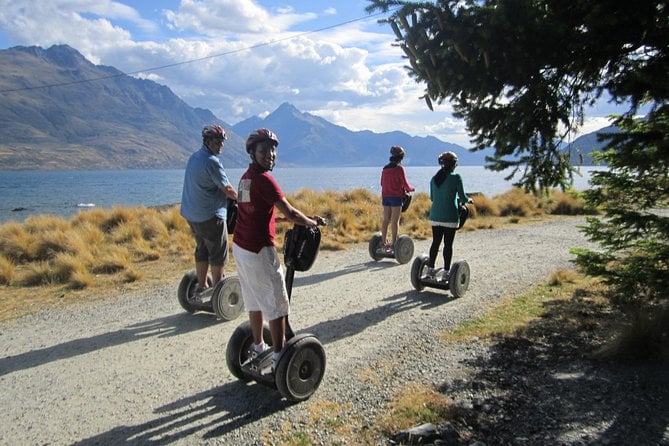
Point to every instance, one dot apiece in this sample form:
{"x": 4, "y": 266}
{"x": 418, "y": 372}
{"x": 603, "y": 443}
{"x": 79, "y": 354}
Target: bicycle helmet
{"x": 213, "y": 132}
{"x": 448, "y": 159}
{"x": 260, "y": 135}
{"x": 396, "y": 151}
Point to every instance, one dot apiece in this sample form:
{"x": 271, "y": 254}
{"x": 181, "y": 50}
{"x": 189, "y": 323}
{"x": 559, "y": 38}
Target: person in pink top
{"x": 259, "y": 268}
{"x": 394, "y": 186}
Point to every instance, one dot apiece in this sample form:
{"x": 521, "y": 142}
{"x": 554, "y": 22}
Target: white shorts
{"x": 262, "y": 280}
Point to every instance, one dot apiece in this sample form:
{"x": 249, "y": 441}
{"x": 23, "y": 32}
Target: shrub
{"x": 7, "y": 269}
{"x": 16, "y": 243}
{"x": 484, "y": 207}
{"x": 517, "y": 202}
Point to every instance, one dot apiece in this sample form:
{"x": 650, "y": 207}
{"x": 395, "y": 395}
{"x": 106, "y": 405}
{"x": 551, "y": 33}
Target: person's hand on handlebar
{"x": 320, "y": 221}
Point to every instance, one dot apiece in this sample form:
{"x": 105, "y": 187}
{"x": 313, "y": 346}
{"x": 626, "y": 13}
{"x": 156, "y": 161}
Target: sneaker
{"x": 257, "y": 350}
{"x": 275, "y": 360}
{"x": 444, "y": 276}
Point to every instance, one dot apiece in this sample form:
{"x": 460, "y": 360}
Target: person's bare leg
{"x": 384, "y": 225}
{"x": 256, "y": 319}
{"x": 396, "y": 212}
{"x": 217, "y": 273}
{"x": 201, "y": 271}
{"x": 277, "y": 328}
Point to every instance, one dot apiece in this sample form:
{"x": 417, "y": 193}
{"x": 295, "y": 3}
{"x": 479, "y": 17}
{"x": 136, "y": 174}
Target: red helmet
{"x": 448, "y": 159}
{"x": 214, "y": 132}
{"x": 260, "y": 135}
{"x": 396, "y": 151}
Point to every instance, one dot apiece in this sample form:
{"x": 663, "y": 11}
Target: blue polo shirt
{"x": 202, "y": 198}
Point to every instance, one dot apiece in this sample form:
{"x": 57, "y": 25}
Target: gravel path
{"x": 139, "y": 370}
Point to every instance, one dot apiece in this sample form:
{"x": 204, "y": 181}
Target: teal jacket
{"x": 444, "y": 210}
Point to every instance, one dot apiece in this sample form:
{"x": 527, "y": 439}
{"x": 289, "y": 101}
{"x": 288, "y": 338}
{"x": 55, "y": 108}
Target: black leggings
{"x": 448, "y": 234}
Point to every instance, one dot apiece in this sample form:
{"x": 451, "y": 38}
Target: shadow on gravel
{"x": 310, "y": 279}
{"x": 173, "y": 325}
{"x": 212, "y": 413}
{"x": 545, "y": 386}
{"x": 354, "y": 323}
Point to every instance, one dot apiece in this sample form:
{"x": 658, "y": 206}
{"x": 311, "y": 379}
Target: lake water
{"x": 25, "y": 193}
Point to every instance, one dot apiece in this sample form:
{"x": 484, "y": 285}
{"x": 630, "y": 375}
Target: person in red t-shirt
{"x": 394, "y": 186}
{"x": 261, "y": 275}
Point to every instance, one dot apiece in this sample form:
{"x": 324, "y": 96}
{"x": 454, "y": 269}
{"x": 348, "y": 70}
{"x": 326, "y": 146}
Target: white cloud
{"x": 246, "y": 59}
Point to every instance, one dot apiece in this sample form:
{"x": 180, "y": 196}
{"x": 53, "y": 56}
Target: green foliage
{"x": 634, "y": 196}
{"x": 520, "y": 72}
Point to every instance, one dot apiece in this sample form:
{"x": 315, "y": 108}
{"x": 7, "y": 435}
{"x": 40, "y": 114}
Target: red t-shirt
{"x": 394, "y": 182}
{"x": 256, "y": 195}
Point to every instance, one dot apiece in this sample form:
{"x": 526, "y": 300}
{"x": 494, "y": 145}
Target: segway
{"x": 402, "y": 250}
{"x": 301, "y": 366}
{"x": 455, "y": 280}
{"x": 224, "y": 299}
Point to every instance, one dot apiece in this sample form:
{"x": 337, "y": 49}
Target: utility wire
{"x": 212, "y": 56}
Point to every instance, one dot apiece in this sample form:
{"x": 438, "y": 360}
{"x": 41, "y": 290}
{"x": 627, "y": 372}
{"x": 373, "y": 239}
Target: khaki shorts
{"x": 262, "y": 280}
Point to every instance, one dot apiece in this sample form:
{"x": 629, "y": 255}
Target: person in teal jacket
{"x": 446, "y": 192}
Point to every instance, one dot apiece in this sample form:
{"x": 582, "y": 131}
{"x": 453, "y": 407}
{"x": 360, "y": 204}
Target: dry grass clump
{"x": 7, "y": 270}
{"x": 516, "y": 202}
{"x": 484, "y": 207}
{"x": 567, "y": 203}
{"x": 15, "y": 242}
{"x": 413, "y": 405}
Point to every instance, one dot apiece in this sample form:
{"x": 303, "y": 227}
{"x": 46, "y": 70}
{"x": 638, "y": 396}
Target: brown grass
{"x": 99, "y": 250}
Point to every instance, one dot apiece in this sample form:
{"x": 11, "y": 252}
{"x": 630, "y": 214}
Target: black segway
{"x": 402, "y": 250}
{"x": 456, "y": 280}
{"x": 301, "y": 366}
{"x": 224, "y": 299}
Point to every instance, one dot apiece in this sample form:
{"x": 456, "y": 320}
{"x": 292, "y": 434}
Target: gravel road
{"x": 137, "y": 369}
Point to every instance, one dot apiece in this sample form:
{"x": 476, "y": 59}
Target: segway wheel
{"x": 239, "y": 346}
{"x": 374, "y": 245}
{"x": 403, "y": 249}
{"x": 458, "y": 278}
{"x": 226, "y": 299}
{"x": 300, "y": 369}
{"x": 417, "y": 268}
{"x": 186, "y": 291}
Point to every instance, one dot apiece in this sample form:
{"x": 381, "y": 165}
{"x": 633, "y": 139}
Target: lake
{"x": 26, "y": 193}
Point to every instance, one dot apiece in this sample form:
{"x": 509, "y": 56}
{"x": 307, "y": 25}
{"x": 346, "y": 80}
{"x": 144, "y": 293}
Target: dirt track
{"x": 139, "y": 370}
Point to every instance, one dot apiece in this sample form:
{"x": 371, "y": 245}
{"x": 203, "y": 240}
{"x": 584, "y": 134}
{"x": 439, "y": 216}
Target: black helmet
{"x": 448, "y": 159}
{"x": 260, "y": 135}
{"x": 213, "y": 132}
{"x": 396, "y": 151}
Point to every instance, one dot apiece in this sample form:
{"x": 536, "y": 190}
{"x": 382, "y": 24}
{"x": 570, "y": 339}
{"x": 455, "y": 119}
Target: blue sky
{"x": 250, "y": 56}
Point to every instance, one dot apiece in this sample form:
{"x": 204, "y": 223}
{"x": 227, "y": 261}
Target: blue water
{"x": 66, "y": 192}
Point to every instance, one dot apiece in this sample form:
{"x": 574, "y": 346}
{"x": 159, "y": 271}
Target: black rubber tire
{"x": 236, "y": 352}
{"x": 300, "y": 369}
{"x": 458, "y": 278}
{"x": 417, "y": 268}
{"x": 226, "y": 300}
{"x": 403, "y": 249}
{"x": 374, "y": 245}
{"x": 186, "y": 291}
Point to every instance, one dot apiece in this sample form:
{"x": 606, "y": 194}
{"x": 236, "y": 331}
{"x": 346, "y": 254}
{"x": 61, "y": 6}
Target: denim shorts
{"x": 394, "y": 202}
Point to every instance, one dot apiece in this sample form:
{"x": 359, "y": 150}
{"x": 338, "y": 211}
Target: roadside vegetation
{"x": 50, "y": 261}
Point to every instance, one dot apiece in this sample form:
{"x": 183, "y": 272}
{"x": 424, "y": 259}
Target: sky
{"x": 242, "y": 58}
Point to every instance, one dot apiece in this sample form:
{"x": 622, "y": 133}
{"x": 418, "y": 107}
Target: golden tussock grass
{"x": 122, "y": 247}
{"x": 7, "y": 269}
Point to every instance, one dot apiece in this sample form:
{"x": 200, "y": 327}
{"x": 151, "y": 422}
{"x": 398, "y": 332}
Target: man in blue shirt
{"x": 204, "y": 205}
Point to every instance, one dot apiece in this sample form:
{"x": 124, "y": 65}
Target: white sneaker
{"x": 257, "y": 350}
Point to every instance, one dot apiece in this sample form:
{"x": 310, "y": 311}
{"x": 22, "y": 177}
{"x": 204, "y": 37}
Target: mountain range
{"x": 60, "y": 111}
